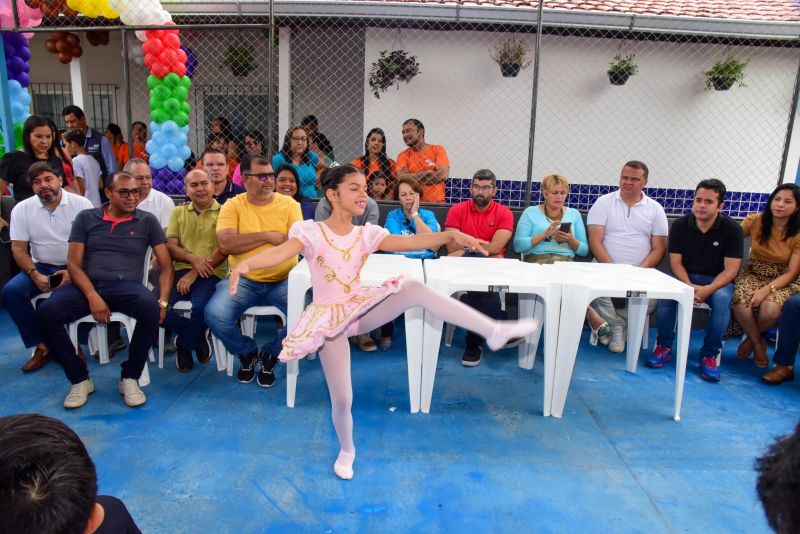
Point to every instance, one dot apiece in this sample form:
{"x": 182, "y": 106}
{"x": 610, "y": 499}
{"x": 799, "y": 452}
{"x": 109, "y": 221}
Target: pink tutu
{"x": 335, "y": 263}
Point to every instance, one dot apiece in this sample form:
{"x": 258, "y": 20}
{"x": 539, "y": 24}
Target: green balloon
{"x": 185, "y": 107}
{"x": 155, "y": 104}
{"x": 18, "y": 135}
{"x": 181, "y": 93}
{"x": 186, "y": 82}
{"x": 160, "y": 93}
{"x": 181, "y": 118}
{"x": 158, "y": 116}
{"x": 153, "y": 82}
{"x": 171, "y": 106}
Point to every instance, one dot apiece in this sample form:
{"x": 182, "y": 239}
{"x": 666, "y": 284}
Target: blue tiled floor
{"x": 207, "y": 454}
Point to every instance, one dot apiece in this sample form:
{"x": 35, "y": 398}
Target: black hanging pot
{"x": 722, "y": 83}
{"x": 618, "y": 77}
{"x": 510, "y": 70}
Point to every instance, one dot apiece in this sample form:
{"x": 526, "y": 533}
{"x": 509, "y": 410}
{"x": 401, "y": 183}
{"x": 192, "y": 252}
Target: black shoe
{"x": 115, "y": 342}
{"x": 266, "y": 372}
{"x": 247, "y": 368}
{"x": 115, "y": 346}
{"x": 170, "y": 343}
{"x": 184, "y": 361}
{"x": 471, "y": 357}
{"x": 203, "y": 349}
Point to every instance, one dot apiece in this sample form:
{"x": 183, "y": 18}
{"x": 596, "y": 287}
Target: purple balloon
{"x": 24, "y": 53}
{"x": 167, "y": 181}
{"x": 10, "y": 50}
{"x": 23, "y": 78}
{"x": 15, "y": 64}
{"x": 191, "y": 61}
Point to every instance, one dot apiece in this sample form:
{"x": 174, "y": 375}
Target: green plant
{"x": 512, "y": 51}
{"x": 240, "y": 60}
{"x": 623, "y": 63}
{"x": 724, "y": 73}
{"x": 391, "y": 69}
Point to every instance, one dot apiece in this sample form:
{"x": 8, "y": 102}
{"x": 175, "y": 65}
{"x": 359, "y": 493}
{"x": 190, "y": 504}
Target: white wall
{"x": 586, "y": 128}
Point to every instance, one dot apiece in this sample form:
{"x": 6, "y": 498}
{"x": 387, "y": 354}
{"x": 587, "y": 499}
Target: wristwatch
{"x": 163, "y": 304}
{"x": 29, "y": 271}
{"x": 415, "y": 214}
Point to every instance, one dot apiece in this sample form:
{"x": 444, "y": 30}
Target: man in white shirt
{"x": 627, "y": 227}
{"x": 43, "y": 223}
{"x": 152, "y": 201}
{"x": 85, "y": 167}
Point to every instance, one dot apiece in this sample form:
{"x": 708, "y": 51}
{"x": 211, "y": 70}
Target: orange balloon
{"x": 50, "y": 44}
{"x": 73, "y": 39}
{"x": 77, "y": 51}
{"x": 64, "y": 58}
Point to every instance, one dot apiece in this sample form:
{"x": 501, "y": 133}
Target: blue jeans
{"x": 720, "y": 303}
{"x": 190, "y": 330}
{"x": 223, "y": 311}
{"x": 17, "y": 295}
{"x": 789, "y": 330}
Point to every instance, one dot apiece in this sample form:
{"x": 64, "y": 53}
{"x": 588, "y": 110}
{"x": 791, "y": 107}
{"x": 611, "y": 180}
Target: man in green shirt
{"x": 199, "y": 265}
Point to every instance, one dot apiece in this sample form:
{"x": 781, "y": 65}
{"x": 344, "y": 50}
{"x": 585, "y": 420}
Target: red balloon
{"x": 181, "y": 56}
{"x": 171, "y": 40}
{"x": 50, "y": 44}
{"x": 64, "y": 58}
{"x": 63, "y": 46}
{"x": 153, "y": 46}
{"x": 179, "y": 69}
{"x": 72, "y": 39}
{"x": 77, "y": 51}
{"x": 169, "y": 56}
{"x": 149, "y": 59}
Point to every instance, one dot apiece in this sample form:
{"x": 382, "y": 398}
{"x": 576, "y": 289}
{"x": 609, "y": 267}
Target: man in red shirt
{"x": 428, "y": 164}
{"x": 485, "y": 219}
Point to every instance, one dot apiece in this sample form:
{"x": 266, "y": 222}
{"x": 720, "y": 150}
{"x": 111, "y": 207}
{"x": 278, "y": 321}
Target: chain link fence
{"x": 475, "y": 88}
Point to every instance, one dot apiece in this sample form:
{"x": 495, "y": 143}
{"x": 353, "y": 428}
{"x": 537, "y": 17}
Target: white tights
{"x": 335, "y": 353}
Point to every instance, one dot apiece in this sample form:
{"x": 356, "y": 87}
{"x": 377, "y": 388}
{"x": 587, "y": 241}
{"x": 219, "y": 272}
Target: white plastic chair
{"x": 248, "y": 324}
{"x": 183, "y": 307}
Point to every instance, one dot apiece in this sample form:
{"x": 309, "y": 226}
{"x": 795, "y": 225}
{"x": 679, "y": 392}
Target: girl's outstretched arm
{"x": 402, "y": 243}
{"x": 264, "y": 259}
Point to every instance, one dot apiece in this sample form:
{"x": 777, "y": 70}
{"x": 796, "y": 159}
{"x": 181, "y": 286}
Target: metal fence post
{"x": 534, "y": 102}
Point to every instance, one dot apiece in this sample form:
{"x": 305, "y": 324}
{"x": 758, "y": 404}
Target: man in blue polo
{"x": 105, "y": 262}
{"x": 96, "y": 144}
{"x": 705, "y": 252}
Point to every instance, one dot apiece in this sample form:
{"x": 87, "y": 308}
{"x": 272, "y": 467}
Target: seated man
{"x": 199, "y": 266}
{"x": 215, "y": 162}
{"x": 628, "y": 227}
{"x": 41, "y": 222}
{"x": 107, "y": 249}
{"x": 248, "y": 224}
{"x": 426, "y": 163}
{"x": 490, "y": 221}
{"x": 150, "y": 200}
{"x": 50, "y": 481}
{"x": 705, "y": 252}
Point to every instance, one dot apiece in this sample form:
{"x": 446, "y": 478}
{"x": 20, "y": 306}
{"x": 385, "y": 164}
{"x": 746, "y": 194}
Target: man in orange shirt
{"x": 428, "y": 164}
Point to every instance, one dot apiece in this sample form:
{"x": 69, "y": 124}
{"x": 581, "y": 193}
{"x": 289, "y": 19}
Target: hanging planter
{"x": 240, "y": 60}
{"x": 725, "y": 73}
{"x": 512, "y": 56}
{"x": 622, "y": 68}
{"x": 391, "y": 69}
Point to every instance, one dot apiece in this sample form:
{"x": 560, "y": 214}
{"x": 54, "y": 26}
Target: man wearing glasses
{"x": 485, "y": 219}
{"x": 248, "y": 224}
{"x": 105, "y": 262}
{"x": 215, "y": 162}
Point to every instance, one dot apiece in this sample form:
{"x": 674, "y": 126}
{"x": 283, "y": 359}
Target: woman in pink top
{"x": 342, "y": 307}
{"x": 253, "y": 144}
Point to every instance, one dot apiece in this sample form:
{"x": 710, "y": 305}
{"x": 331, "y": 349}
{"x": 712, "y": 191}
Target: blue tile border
{"x": 675, "y": 201}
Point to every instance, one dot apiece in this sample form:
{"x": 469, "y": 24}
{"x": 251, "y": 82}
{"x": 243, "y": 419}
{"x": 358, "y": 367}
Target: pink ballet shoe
{"x": 506, "y": 330}
{"x": 344, "y": 465}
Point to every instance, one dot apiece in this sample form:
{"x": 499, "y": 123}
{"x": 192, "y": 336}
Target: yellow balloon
{"x": 93, "y": 8}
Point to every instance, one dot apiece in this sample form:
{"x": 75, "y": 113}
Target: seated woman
{"x": 770, "y": 276}
{"x": 295, "y": 152}
{"x": 375, "y": 160}
{"x": 552, "y": 232}
{"x": 288, "y": 183}
{"x": 253, "y": 144}
{"x": 408, "y": 219}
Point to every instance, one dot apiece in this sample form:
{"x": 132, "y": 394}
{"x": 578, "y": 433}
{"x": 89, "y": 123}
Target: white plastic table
{"x": 448, "y": 275}
{"x": 584, "y": 282}
{"x": 378, "y": 268}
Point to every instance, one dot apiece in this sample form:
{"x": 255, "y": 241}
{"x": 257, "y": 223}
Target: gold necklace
{"x": 345, "y": 251}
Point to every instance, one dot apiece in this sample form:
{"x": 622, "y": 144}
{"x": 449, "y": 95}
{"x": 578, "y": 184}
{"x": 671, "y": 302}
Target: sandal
{"x": 601, "y": 334}
{"x": 745, "y": 349}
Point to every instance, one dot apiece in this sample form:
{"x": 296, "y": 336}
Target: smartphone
{"x": 54, "y": 280}
{"x": 565, "y": 227}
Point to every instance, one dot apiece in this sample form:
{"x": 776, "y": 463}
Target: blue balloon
{"x": 157, "y": 161}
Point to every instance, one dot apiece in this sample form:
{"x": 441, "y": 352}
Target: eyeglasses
{"x": 126, "y": 193}
{"x": 482, "y": 188}
{"x": 263, "y": 176}
{"x": 299, "y": 139}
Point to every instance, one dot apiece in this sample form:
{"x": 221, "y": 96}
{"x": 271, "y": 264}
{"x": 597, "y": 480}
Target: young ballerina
{"x": 336, "y": 250}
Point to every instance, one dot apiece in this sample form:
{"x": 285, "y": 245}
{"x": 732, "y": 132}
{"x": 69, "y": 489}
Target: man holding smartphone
{"x": 40, "y": 224}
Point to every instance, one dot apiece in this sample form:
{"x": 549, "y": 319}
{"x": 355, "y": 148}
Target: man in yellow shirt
{"x": 199, "y": 266}
{"x": 247, "y": 224}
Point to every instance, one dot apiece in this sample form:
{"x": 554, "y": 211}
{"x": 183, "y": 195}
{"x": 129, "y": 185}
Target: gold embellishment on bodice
{"x": 331, "y": 276}
{"x": 346, "y": 251}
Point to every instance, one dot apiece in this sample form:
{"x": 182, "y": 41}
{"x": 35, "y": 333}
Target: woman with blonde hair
{"x": 552, "y": 232}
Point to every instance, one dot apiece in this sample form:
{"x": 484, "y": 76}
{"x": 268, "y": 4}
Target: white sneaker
{"x": 78, "y": 394}
{"x": 129, "y": 388}
{"x": 617, "y": 341}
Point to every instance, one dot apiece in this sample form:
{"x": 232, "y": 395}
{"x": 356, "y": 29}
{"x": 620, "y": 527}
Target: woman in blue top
{"x": 408, "y": 219}
{"x": 295, "y": 152}
{"x": 552, "y": 232}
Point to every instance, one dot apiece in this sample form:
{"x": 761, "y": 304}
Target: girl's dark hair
{"x": 31, "y": 123}
{"x": 212, "y": 137}
{"x": 224, "y": 125}
{"x": 115, "y": 130}
{"x": 286, "y": 149}
{"x": 298, "y": 196}
{"x": 255, "y": 134}
{"x": 383, "y": 160}
{"x": 333, "y": 176}
{"x": 766, "y": 216}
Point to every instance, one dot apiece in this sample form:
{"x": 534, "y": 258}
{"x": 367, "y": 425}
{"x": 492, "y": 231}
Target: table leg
{"x": 574, "y": 300}
{"x": 685, "y": 309}
{"x": 529, "y": 307}
{"x": 431, "y": 338}
{"x": 415, "y": 323}
{"x": 637, "y": 317}
{"x": 552, "y": 311}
